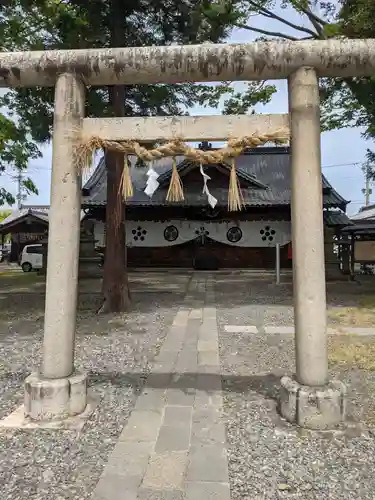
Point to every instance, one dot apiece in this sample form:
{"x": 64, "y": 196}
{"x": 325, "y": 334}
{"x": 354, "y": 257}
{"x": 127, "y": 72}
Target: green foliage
{"x": 4, "y": 214}
{"x": 86, "y": 23}
{"x": 240, "y": 103}
{"x": 56, "y": 24}
{"x": 16, "y": 149}
{"x": 82, "y": 24}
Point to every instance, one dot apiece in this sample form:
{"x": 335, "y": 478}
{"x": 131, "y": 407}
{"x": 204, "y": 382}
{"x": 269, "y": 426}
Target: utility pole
{"x": 367, "y": 191}
{"x": 19, "y": 189}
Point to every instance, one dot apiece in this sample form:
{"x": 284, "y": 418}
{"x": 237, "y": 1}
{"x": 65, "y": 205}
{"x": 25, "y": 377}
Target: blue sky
{"x": 343, "y": 150}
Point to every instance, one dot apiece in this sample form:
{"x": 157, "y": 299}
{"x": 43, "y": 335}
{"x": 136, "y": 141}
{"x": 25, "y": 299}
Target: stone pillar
{"x": 58, "y": 391}
{"x": 308, "y": 399}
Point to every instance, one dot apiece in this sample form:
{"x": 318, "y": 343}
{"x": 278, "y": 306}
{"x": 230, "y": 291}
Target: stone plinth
{"x": 317, "y": 408}
{"x": 55, "y": 399}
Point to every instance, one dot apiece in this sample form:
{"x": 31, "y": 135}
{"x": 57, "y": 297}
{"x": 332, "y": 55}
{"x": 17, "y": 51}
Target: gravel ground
{"x": 116, "y": 350}
{"x": 255, "y": 300}
{"x": 269, "y": 458}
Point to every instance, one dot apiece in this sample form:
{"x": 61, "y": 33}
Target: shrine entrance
{"x": 57, "y": 391}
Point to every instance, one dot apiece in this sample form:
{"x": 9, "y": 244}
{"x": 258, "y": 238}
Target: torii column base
{"x": 316, "y": 408}
{"x": 55, "y": 399}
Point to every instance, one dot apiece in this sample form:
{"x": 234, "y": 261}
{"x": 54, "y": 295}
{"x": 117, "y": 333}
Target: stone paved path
{"x": 173, "y": 445}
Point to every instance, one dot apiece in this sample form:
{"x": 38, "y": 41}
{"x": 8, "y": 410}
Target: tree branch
{"x": 311, "y": 14}
{"x": 265, "y": 32}
{"x": 268, "y": 13}
{"x": 314, "y": 21}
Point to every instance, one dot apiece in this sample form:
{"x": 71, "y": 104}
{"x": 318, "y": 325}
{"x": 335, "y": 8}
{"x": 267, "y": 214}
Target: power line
{"x": 354, "y": 163}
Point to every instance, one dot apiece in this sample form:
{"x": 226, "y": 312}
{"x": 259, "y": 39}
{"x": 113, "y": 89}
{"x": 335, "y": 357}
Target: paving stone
{"x": 148, "y": 494}
{"x": 181, "y": 318}
{"x": 168, "y": 354}
{"x": 180, "y": 397}
{"x": 358, "y": 330}
{"x": 178, "y": 415}
{"x": 208, "y": 463}
{"x": 208, "y": 399}
{"x": 150, "y": 399}
{"x": 209, "y": 313}
{"x": 208, "y": 331}
{"x": 166, "y": 471}
{"x": 184, "y": 381}
{"x": 166, "y": 366}
{"x": 209, "y": 370}
{"x": 208, "y": 382}
{"x": 193, "y": 326}
{"x": 191, "y": 339}
{"x": 279, "y": 330}
{"x": 173, "y": 438}
{"x": 207, "y": 491}
{"x": 130, "y": 458}
{"x": 209, "y": 358}
{"x": 159, "y": 380}
{"x": 187, "y": 362}
{"x": 143, "y": 425}
{"x": 114, "y": 486}
{"x": 173, "y": 342}
{"x": 196, "y": 313}
{"x": 241, "y": 329}
{"x": 207, "y": 426}
{"x": 207, "y": 345}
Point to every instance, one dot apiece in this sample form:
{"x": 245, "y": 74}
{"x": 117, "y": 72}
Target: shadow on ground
{"x": 22, "y": 297}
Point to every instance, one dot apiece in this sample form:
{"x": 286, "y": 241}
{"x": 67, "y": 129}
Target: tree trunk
{"x": 115, "y": 281}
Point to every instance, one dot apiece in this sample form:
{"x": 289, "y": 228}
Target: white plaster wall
{"x": 151, "y": 234}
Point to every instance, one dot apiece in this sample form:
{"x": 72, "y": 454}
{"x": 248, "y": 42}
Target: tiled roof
{"x": 336, "y": 218}
{"x": 360, "y": 228}
{"x": 267, "y": 167}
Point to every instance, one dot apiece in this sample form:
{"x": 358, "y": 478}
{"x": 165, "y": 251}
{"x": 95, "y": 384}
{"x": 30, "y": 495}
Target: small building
{"x": 359, "y": 237}
{"x": 193, "y": 234}
{"x": 26, "y": 226}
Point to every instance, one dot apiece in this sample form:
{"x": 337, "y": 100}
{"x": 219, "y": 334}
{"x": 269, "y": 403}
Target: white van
{"x": 31, "y": 258}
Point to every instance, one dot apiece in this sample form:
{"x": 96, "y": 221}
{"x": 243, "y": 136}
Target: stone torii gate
{"x": 309, "y": 399}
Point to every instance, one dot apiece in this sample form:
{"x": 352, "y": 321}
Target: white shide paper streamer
{"x": 212, "y": 201}
{"x": 152, "y": 181}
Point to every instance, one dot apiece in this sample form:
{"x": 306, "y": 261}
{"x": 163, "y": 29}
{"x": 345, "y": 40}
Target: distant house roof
{"x": 365, "y": 214}
{"x": 18, "y": 216}
{"x": 37, "y": 212}
{"x": 265, "y": 173}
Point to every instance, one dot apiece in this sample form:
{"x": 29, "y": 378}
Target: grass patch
{"x": 361, "y": 315}
{"x": 350, "y": 352}
{"x": 16, "y": 277}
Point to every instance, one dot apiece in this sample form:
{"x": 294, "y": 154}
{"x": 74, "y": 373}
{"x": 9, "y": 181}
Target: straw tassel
{"x": 126, "y": 181}
{"x": 175, "y": 190}
{"x": 235, "y": 198}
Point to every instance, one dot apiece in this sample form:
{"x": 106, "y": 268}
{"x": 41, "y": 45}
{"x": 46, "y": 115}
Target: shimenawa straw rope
{"x": 85, "y": 150}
